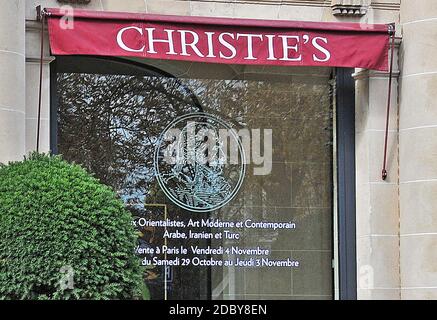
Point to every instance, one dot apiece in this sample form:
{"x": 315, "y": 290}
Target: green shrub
{"x": 63, "y": 235}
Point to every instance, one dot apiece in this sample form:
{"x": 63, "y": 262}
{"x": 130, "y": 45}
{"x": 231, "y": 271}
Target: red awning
{"x": 219, "y": 40}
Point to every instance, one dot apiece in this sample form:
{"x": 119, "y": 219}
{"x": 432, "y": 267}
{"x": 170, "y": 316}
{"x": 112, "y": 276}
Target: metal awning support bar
{"x": 392, "y": 32}
{"x": 41, "y": 13}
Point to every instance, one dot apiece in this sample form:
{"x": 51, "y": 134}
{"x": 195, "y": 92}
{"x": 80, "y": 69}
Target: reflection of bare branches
{"x": 110, "y": 123}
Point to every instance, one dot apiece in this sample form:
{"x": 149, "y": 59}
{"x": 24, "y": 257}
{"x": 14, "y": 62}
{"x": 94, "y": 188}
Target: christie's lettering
{"x": 225, "y": 46}
{"x": 221, "y": 40}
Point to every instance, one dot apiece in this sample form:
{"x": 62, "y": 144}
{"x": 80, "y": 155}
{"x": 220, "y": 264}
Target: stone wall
{"x": 377, "y": 201}
{"x": 418, "y": 150}
{"x": 12, "y": 80}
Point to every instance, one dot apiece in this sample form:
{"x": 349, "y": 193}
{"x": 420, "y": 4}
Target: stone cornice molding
{"x": 346, "y": 8}
{"x": 74, "y": 1}
{"x": 350, "y": 7}
{"x": 363, "y": 74}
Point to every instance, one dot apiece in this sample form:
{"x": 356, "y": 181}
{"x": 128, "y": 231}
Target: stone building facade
{"x": 396, "y": 230}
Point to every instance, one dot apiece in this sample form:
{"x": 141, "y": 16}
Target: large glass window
{"x": 275, "y": 209}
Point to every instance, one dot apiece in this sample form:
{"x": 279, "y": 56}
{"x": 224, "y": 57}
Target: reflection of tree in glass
{"x": 110, "y": 123}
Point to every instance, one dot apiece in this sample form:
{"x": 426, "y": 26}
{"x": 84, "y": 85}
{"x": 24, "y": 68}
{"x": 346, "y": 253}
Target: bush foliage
{"x": 63, "y": 235}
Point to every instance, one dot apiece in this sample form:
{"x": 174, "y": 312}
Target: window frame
{"x": 344, "y": 157}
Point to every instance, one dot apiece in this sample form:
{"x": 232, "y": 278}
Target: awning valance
{"x": 219, "y": 40}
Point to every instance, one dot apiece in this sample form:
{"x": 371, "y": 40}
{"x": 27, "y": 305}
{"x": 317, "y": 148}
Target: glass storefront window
{"x": 113, "y": 121}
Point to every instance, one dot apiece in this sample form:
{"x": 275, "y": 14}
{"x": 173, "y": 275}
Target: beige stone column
{"x": 377, "y": 210}
{"x": 418, "y": 150}
{"x": 12, "y": 80}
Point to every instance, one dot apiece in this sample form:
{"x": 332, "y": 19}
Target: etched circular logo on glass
{"x": 199, "y": 162}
